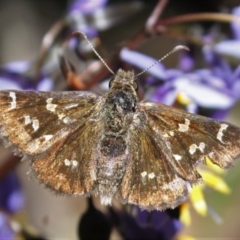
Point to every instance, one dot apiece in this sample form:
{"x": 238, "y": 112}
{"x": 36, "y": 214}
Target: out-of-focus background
{"x": 24, "y": 23}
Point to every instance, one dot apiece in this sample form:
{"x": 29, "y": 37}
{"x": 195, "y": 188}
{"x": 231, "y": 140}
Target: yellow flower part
{"x": 185, "y": 238}
{"x": 214, "y": 181}
{"x": 198, "y": 200}
{"x": 185, "y": 216}
{"x": 214, "y": 167}
{"x": 183, "y": 99}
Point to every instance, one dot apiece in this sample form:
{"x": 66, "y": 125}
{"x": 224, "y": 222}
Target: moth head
{"x": 124, "y": 79}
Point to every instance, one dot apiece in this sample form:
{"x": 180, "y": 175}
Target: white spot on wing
{"x": 194, "y": 147}
{"x": 184, "y": 127}
{"x": 13, "y": 103}
{"x": 50, "y": 106}
{"x": 27, "y": 120}
{"x": 144, "y": 174}
{"x": 220, "y": 132}
{"x": 71, "y": 105}
{"x": 47, "y": 137}
{"x": 67, "y": 162}
{"x": 74, "y": 163}
{"x": 201, "y": 146}
{"x": 35, "y": 124}
{"x": 177, "y": 157}
{"x": 165, "y": 135}
{"x": 151, "y": 175}
{"x": 66, "y": 120}
{"x": 171, "y": 133}
{"x": 61, "y": 116}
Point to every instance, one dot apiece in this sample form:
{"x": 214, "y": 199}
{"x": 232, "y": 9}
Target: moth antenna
{"x": 79, "y": 33}
{"x": 177, "y": 48}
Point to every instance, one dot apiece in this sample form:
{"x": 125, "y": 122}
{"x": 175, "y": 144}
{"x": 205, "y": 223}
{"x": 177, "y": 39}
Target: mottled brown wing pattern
{"x": 165, "y": 146}
{"x": 70, "y": 165}
{"x": 32, "y": 133}
{"x": 192, "y": 137}
{"x": 67, "y": 118}
{"x": 150, "y": 180}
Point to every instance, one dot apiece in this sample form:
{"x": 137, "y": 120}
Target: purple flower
{"x": 11, "y": 201}
{"x": 6, "y": 231}
{"x": 11, "y": 197}
{"x": 86, "y": 7}
{"x": 141, "y": 224}
{"x": 13, "y": 76}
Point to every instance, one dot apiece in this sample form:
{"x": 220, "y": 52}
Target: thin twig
{"x": 156, "y": 13}
{"x": 219, "y": 17}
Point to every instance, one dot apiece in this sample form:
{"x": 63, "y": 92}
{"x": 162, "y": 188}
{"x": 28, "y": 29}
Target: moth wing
{"x": 150, "y": 181}
{"x": 31, "y": 122}
{"x": 165, "y": 145}
{"x": 58, "y": 132}
{"x": 191, "y": 138}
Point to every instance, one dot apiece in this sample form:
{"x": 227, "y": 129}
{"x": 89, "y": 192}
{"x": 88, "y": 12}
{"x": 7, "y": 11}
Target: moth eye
{"x": 110, "y": 83}
{"x": 135, "y": 85}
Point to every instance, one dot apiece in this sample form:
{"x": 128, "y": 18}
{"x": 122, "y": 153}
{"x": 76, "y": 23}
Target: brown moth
{"x": 114, "y": 145}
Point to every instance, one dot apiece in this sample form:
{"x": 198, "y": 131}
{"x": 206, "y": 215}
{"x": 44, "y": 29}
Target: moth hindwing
{"x": 114, "y": 145}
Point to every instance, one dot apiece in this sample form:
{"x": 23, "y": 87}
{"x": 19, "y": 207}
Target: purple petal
{"x": 168, "y": 98}
{"x": 235, "y": 24}
{"x": 236, "y": 89}
{"x": 161, "y": 222}
{"x": 129, "y": 228}
{"x": 203, "y": 95}
{"x": 6, "y": 83}
{"x": 220, "y": 68}
{"x": 236, "y": 74}
{"x": 17, "y": 66}
{"x": 11, "y": 197}
{"x": 192, "y": 107}
{"x": 16, "y": 201}
{"x": 219, "y": 114}
{"x": 206, "y": 76}
{"x": 235, "y": 86}
{"x": 173, "y": 73}
{"x": 186, "y": 62}
{"x": 11, "y": 76}
{"x": 86, "y": 7}
{"x": 228, "y": 47}
{"x": 165, "y": 93}
{"x": 143, "y": 62}
{"x": 46, "y": 84}
{"x": 5, "y": 230}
